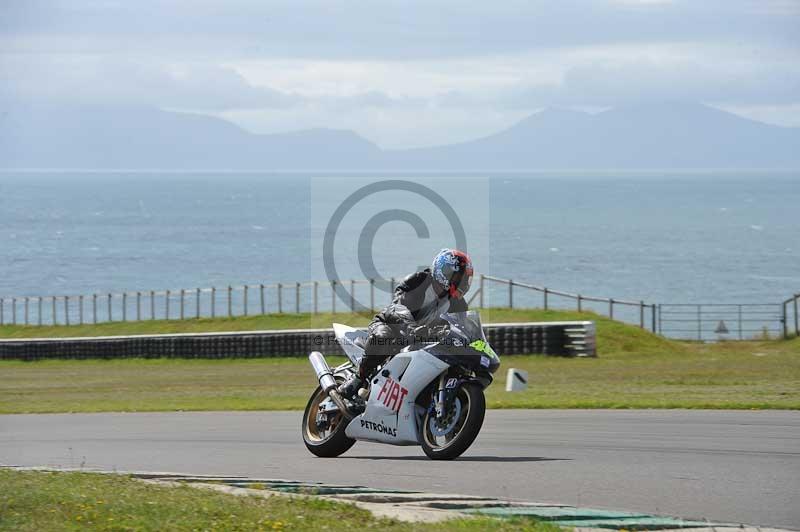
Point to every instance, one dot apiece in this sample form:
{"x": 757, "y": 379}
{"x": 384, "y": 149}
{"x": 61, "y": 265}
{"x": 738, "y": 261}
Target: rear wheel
{"x": 448, "y": 438}
{"x": 324, "y": 434}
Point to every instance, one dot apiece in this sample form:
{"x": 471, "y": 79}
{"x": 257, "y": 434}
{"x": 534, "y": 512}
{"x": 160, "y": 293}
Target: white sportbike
{"x": 430, "y": 394}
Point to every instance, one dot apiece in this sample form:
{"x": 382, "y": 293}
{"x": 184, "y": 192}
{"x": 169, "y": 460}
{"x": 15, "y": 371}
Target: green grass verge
{"x": 35, "y": 501}
{"x": 294, "y": 321}
{"x": 239, "y": 323}
{"x": 635, "y": 369}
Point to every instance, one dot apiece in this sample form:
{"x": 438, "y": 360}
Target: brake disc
{"x": 437, "y": 429}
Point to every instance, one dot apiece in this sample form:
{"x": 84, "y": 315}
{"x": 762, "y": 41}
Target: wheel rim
{"x": 438, "y": 435}
{"x": 313, "y": 433}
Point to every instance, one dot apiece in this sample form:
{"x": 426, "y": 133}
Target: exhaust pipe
{"x": 323, "y": 371}
{"x": 327, "y": 382}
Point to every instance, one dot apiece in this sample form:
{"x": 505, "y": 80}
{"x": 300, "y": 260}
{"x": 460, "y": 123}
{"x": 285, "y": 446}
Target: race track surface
{"x": 725, "y": 466}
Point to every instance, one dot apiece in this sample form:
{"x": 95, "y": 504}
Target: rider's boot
{"x": 350, "y": 392}
{"x": 349, "y": 387}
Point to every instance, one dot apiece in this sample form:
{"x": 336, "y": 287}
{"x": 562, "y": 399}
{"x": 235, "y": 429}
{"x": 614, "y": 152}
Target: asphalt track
{"x": 727, "y": 466}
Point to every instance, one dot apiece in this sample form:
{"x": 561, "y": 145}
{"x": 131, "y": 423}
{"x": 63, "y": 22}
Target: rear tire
{"x": 325, "y": 444}
{"x": 468, "y": 426}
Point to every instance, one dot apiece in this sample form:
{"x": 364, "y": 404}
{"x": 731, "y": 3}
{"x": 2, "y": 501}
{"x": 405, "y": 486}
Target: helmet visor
{"x": 462, "y": 281}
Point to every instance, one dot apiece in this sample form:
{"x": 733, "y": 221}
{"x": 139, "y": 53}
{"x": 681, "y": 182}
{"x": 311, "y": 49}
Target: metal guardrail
{"x": 645, "y": 313}
{"x": 314, "y": 297}
{"x": 245, "y": 300}
{"x": 703, "y": 322}
{"x": 188, "y": 303}
{"x": 789, "y": 315}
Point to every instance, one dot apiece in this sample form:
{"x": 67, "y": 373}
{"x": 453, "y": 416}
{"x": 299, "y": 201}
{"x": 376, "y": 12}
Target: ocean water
{"x": 664, "y": 238}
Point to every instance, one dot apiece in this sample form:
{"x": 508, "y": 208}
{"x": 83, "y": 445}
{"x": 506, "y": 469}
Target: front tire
{"x": 327, "y": 443}
{"x": 449, "y": 442}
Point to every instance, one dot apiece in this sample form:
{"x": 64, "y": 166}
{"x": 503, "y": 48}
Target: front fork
{"x": 441, "y": 396}
{"x": 440, "y": 403}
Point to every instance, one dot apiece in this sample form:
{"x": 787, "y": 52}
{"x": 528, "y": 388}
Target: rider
{"x": 419, "y": 301}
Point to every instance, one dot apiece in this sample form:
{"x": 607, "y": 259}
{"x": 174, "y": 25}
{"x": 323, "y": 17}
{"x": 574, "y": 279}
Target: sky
{"x": 402, "y": 73}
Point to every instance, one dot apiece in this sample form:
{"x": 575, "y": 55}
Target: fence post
{"x": 297, "y": 298}
{"x": 352, "y": 295}
{"x": 53, "y": 305}
{"x": 545, "y": 297}
{"x": 783, "y": 319}
{"x": 26, "y": 311}
{"x": 66, "y": 310}
{"x": 611, "y": 308}
{"x": 230, "y": 301}
{"x": 653, "y": 317}
{"x": 152, "y": 304}
{"x": 280, "y": 298}
{"x": 660, "y": 328}
{"x": 213, "y": 302}
{"x": 110, "y": 315}
{"x": 333, "y": 297}
{"x": 263, "y": 305}
{"x": 124, "y": 306}
{"x": 13, "y": 310}
{"x": 183, "y": 294}
{"x": 246, "y": 297}
{"x": 138, "y": 306}
{"x": 316, "y": 287}
{"x": 197, "y": 293}
{"x": 2, "y": 311}
{"x": 699, "y": 325}
{"x": 510, "y": 293}
{"x": 796, "y": 320}
{"x": 94, "y": 308}
{"x": 372, "y": 295}
{"x": 579, "y": 303}
{"x": 38, "y": 309}
{"x": 481, "y": 291}
{"x": 80, "y": 310}
{"x": 641, "y": 314}
{"x": 740, "y": 321}
{"x": 166, "y": 313}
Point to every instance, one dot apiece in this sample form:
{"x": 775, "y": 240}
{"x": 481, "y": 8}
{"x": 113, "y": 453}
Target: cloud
{"x": 614, "y": 85}
{"x": 413, "y": 29}
{"x": 622, "y": 75}
{"x": 109, "y": 80}
{"x": 402, "y": 73}
{"x": 194, "y": 86}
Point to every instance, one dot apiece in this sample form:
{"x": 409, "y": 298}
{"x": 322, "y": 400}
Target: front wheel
{"x": 324, "y": 434}
{"x": 448, "y": 438}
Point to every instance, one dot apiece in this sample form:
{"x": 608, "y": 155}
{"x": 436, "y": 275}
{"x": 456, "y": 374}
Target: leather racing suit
{"x": 416, "y": 303}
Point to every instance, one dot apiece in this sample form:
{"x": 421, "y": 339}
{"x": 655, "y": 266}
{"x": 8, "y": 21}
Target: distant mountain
{"x": 146, "y": 138}
{"x": 669, "y": 135}
{"x": 673, "y": 135}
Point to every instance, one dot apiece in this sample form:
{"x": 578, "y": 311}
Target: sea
{"x": 664, "y": 237}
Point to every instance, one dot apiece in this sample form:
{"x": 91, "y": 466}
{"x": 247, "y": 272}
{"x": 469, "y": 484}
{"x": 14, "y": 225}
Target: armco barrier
{"x": 549, "y": 338}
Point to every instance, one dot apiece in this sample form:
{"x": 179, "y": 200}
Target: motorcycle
{"x": 430, "y": 394}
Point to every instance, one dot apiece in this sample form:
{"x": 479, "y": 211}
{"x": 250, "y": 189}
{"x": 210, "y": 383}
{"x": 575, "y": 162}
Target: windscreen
{"x": 467, "y": 323}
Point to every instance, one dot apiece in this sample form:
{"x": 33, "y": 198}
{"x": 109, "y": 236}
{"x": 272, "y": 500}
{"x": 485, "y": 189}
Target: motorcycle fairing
{"x": 347, "y": 337}
{"x": 412, "y": 371}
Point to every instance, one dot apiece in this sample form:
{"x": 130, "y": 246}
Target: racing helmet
{"x": 452, "y": 272}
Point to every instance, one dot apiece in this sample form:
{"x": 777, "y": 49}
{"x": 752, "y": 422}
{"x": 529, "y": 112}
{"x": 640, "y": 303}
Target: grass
{"x": 284, "y": 321}
{"x": 634, "y": 369}
{"x": 35, "y": 500}
{"x": 239, "y": 323}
